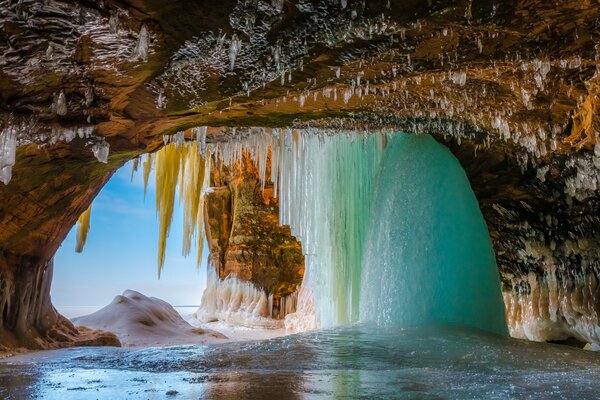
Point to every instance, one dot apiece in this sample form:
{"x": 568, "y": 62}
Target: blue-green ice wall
{"x": 427, "y": 253}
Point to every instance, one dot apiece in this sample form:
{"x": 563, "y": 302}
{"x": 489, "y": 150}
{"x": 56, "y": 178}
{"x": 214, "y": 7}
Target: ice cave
{"x": 290, "y": 199}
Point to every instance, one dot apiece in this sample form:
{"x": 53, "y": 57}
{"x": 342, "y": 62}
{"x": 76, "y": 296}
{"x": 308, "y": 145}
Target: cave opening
{"x": 120, "y": 252}
{"x": 299, "y": 178}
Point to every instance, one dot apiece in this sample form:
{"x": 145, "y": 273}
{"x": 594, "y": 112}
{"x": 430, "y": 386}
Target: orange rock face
{"x": 244, "y": 234}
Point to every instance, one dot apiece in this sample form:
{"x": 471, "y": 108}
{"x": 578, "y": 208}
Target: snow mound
{"x": 146, "y": 321}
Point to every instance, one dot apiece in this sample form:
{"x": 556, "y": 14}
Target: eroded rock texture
{"x": 244, "y": 235}
{"x": 511, "y": 87}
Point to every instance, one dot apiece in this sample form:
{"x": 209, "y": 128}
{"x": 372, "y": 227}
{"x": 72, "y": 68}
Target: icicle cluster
{"x": 324, "y": 201}
{"x": 180, "y": 166}
{"x": 240, "y": 303}
{"x": 554, "y": 306}
{"x": 17, "y": 132}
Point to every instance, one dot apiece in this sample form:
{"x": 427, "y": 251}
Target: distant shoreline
{"x": 79, "y": 311}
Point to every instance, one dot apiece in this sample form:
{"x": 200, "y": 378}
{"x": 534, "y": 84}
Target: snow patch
{"x": 146, "y": 321}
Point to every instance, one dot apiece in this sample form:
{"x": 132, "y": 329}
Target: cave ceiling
{"x": 510, "y": 86}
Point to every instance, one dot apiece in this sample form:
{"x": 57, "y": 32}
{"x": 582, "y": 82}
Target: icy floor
{"x": 357, "y": 361}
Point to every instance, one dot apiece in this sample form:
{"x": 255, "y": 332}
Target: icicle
{"x": 140, "y": 52}
{"x": 59, "y": 106}
{"x": 134, "y": 166}
{"x": 147, "y": 167}
{"x": 191, "y": 194}
{"x": 113, "y": 23}
{"x": 83, "y": 227}
{"x": 101, "y": 150}
{"x": 8, "y": 149}
{"x": 236, "y": 45}
{"x": 168, "y": 162}
{"x": 161, "y": 100}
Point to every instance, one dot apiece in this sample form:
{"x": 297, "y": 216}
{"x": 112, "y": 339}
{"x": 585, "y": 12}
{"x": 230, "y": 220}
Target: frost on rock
{"x": 101, "y": 150}
{"x": 141, "y": 48}
{"x": 8, "y": 149}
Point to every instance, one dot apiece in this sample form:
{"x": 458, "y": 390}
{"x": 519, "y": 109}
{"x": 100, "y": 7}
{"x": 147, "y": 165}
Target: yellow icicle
{"x": 168, "y": 162}
{"x": 134, "y": 166}
{"x": 83, "y": 227}
{"x": 147, "y": 169}
{"x": 180, "y": 169}
{"x": 192, "y": 188}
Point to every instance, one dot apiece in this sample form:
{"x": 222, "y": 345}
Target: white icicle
{"x": 8, "y": 149}
{"x": 140, "y": 52}
{"x": 101, "y": 150}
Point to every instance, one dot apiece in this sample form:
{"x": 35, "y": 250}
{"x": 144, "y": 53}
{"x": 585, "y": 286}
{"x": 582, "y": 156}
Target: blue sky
{"x": 121, "y": 251}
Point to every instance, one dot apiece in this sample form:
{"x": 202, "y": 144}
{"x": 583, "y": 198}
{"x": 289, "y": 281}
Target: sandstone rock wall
{"x": 244, "y": 234}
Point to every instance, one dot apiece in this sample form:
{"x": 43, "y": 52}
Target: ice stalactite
{"x": 83, "y": 227}
{"x": 241, "y": 303}
{"x": 180, "y": 165}
{"x": 168, "y": 163}
{"x": 140, "y": 52}
{"x": 101, "y": 151}
{"x": 147, "y": 168}
{"x": 193, "y": 180}
{"x": 555, "y": 305}
{"x": 8, "y": 149}
{"x": 59, "y": 105}
{"x": 235, "y": 47}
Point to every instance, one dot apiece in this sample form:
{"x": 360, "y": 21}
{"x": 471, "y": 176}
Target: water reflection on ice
{"x": 355, "y": 361}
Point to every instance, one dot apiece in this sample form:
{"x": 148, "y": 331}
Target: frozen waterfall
{"x": 391, "y": 231}
{"x": 428, "y": 257}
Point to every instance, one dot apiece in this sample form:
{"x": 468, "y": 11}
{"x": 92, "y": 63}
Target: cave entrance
{"x": 264, "y": 191}
{"x": 120, "y": 253}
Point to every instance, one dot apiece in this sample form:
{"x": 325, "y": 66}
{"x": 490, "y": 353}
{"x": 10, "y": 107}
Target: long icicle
{"x": 168, "y": 163}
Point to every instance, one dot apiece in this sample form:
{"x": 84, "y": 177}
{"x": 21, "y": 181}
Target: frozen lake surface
{"x": 360, "y": 361}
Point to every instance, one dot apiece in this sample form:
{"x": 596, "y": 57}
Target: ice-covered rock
{"x": 146, "y": 321}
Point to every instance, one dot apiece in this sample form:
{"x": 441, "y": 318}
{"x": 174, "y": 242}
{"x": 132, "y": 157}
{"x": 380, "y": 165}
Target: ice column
{"x": 428, "y": 256}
